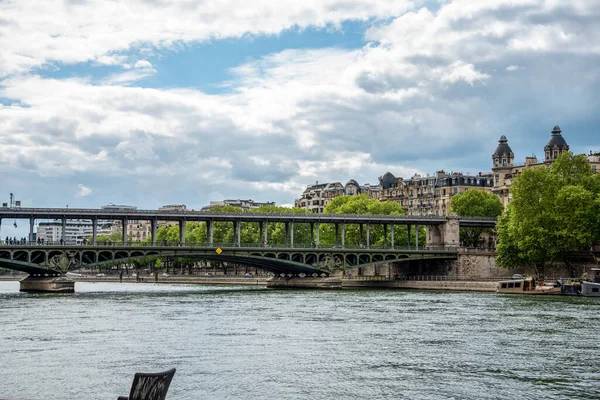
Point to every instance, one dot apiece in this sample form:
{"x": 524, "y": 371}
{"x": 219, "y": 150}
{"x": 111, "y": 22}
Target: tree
{"x": 113, "y": 237}
{"x": 364, "y": 204}
{"x": 553, "y": 214}
{"x": 475, "y": 203}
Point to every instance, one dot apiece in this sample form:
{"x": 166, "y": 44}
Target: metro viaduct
{"x": 442, "y": 240}
{"x": 44, "y": 260}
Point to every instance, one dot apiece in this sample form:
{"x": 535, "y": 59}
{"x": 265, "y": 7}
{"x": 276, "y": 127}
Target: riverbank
{"x": 365, "y": 282}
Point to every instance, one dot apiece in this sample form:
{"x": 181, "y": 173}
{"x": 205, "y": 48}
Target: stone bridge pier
{"x": 43, "y": 284}
{"x": 446, "y": 234}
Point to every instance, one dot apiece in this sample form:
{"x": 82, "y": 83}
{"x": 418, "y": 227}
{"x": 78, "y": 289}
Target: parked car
{"x": 100, "y": 275}
{"x": 166, "y": 275}
{"x": 207, "y": 275}
{"x": 247, "y": 275}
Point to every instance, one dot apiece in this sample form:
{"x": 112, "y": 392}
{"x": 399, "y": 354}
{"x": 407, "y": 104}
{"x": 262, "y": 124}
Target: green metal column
{"x": 417, "y": 236}
{"x": 318, "y": 233}
{"x": 63, "y": 235}
{"x": 260, "y": 229}
{"x": 360, "y": 234}
{"x": 266, "y": 233}
{"x": 153, "y": 224}
{"x": 210, "y": 224}
{"x": 182, "y": 232}
{"x": 31, "y": 225}
{"x": 94, "y": 231}
{"x": 124, "y": 231}
{"x": 287, "y": 233}
{"x": 384, "y": 235}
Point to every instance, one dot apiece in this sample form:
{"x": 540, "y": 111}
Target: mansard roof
{"x": 503, "y": 149}
{"x": 556, "y": 140}
{"x": 388, "y": 180}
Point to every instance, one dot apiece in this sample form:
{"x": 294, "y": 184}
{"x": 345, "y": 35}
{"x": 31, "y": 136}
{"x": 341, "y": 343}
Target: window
{"x": 594, "y": 168}
{"x": 504, "y": 286}
{"x": 595, "y": 290}
{"x": 517, "y": 284}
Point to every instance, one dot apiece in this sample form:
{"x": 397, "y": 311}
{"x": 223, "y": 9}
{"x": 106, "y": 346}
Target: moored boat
{"x": 526, "y": 286}
{"x": 590, "y": 289}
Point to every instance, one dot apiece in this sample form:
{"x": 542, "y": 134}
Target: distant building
{"x": 505, "y": 170}
{"x": 431, "y": 194}
{"x": 118, "y": 207}
{"x": 173, "y": 207}
{"x": 316, "y": 197}
{"x": 76, "y": 232}
{"x": 239, "y": 203}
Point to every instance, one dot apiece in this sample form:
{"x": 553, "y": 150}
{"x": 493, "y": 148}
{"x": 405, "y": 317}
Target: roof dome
{"x": 387, "y": 180}
{"x": 353, "y": 182}
{"x": 556, "y": 139}
{"x": 503, "y": 149}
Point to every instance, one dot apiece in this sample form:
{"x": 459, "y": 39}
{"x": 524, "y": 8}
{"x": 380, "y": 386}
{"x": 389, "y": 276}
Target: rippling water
{"x": 254, "y": 343}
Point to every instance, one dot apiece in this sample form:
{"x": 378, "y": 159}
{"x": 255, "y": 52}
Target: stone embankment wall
{"x": 471, "y": 264}
{"x": 479, "y": 286}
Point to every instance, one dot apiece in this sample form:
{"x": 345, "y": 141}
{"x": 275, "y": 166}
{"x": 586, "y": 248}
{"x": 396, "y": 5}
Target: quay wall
{"x": 475, "y": 286}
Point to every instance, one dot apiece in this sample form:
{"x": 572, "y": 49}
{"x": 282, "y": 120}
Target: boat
{"x": 590, "y": 286}
{"x": 526, "y": 286}
{"x": 590, "y": 289}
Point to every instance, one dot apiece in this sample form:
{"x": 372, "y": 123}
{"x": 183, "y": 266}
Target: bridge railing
{"x": 223, "y": 245}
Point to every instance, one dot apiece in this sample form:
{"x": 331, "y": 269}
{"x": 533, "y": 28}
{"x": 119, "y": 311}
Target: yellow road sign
{"x": 218, "y": 250}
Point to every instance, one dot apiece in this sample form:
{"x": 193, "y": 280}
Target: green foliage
{"x": 475, "y": 203}
{"x": 553, "y": 213}
{"x": 114, "y": 237}
{"x": 364, "y": 204}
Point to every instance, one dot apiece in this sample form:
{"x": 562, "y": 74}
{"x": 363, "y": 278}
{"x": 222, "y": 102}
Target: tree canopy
{"x": 196, "y": 232}
{"x": 364, "y": 204}
{"x": 475, "y": 203}
{"x": 554, "y": 212}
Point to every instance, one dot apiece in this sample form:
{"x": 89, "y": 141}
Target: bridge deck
{"x": 192, "y": 215}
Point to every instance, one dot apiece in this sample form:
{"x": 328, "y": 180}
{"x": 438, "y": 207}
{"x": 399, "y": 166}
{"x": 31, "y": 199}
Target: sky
{"x": 153, "y": 102}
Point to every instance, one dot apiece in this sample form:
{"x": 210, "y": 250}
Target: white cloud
{"x": 83, "y": 191}
{"x": 34, "y": 32}
{"x": 420, "y": 97}
{"x": 512, "y": 68}
{"x": 461, "y": 71}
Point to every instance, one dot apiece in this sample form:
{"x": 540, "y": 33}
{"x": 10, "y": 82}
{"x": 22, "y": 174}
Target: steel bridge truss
{"x": 56, "y": 260}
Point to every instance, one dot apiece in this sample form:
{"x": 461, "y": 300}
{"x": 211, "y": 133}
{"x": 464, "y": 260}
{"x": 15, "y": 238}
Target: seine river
{"x": 255, "y": 343}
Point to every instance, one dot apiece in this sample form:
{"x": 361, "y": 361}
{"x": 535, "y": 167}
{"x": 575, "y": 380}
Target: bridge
{"x": 291, "y": 258}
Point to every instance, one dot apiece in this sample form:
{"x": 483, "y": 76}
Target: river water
{"x": 257, "y": 343}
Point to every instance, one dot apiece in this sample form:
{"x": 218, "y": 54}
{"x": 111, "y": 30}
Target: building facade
{"x": 245, "y": 205}
{"x": 316, "y": 197}
{"x": 76, "y": 231}
{"x": 431, "y": 194}
{"x": 504, "y": 169}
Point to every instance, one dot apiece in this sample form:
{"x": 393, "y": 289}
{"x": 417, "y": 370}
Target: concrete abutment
{"x": 35, "y": 284}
